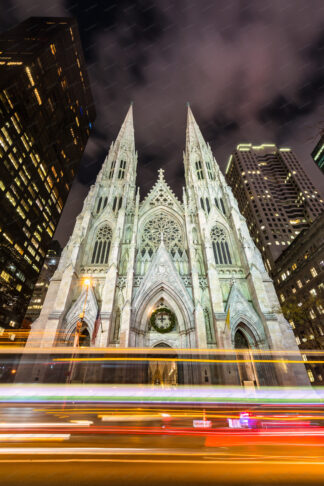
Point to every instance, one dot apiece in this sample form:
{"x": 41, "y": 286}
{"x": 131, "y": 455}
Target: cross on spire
{"x": 161, "y": 174}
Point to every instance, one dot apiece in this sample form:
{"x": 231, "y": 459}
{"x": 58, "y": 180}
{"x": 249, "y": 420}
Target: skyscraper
{"x": 46, "y": 113}
{"x": 274, "y": 194}
{"x": 318, "y": 153}
{"x": 165, "y": 273}
{"x": 50, "y": 264}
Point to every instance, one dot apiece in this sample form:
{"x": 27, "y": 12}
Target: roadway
{"x": 90, "y": 444}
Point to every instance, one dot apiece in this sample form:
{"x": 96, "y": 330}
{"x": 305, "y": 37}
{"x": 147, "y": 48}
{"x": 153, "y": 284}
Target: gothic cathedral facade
{"x": 188, "y": 264}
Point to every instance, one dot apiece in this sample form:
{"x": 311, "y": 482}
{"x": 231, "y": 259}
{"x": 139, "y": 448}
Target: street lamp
{"x": 79, "y": 324}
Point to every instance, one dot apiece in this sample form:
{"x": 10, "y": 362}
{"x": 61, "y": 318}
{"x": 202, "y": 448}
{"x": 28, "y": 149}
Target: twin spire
{"x": 126, "y": 132}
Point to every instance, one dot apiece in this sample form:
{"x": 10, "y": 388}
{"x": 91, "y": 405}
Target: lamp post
{"x": 79, "y": 324}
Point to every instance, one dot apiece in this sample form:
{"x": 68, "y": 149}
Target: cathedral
{"x": 165, "y": 273}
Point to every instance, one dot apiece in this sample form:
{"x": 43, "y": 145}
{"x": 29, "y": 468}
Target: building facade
{"x": 166, "y": 273}
{"x": 274, "y": 194}
{"x": 299, "y": 281}
{"x": 40, "y": 290}
{"x": 318, "y": 153}
{"x": 46, "y": 112}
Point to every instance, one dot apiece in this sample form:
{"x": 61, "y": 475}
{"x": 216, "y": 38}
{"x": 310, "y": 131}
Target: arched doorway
{"x": 163, "y": 372}
{"x": 246, "y": 366}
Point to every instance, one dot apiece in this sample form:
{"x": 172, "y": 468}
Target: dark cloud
{"x": 252, "y": 71}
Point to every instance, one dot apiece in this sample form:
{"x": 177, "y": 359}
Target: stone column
{"x": 124, "y": 340}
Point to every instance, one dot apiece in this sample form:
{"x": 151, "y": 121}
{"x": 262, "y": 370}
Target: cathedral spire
{"x": 193, "y": 133}
{"x": 126, "y": 132}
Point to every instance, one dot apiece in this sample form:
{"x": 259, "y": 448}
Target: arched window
{"x": 199, "y": 170}
{"x": 105, "y": 202}
{"x": 112, "y": 169}
{"x": 223, "y": 207}
{"x": 102, "y": 246}
{"x": 121, "y": 172}
{"x": 207, "y": 205}
{"x": 220, "y": 246}
{"x": 209, "y": 170}
{"x": 160, "y": 226}
{"x": 99, "y": 204}
{"x": 202, "y": 204}
{"x": 114, "y": 204}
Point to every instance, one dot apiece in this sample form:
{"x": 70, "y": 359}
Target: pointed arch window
{"x": 199, "y": 170}
{"x": 99, "y": 204}
{"x": 102, "y": 244}
{"x": 122, "y": 167}
{"x": 221, "y": 248}
{"x": 209, "y": 170}
{"x": 207, "y": 205}
{"x": 202, "y": 204}
{"x": 112, "y": 169}
{"x": 222, "y": 205}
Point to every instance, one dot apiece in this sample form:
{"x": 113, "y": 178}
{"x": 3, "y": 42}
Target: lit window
{"x": 282, "y": 298}
{"x": 310, "y": 376}
{"x": 313, "y": 272}
{"x": 297, "y": 340}
{"x": 30, "y": 77}
{"x": 291, "y": 322}
{"x": 299, "y": 284}
{"x": 313, "y": 292}
{"x": 5, "y": 276}
{"x": 312, "y": 314}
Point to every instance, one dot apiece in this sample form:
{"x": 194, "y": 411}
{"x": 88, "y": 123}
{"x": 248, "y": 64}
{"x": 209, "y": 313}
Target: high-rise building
{"x": 274, "y": 194}
{"x": 165, "y": 273}
{"x": 318, "y": 153}
{"x": 40, "y": 289}
{"x": 46, "y": 113}
{"x": 300, "y": 287}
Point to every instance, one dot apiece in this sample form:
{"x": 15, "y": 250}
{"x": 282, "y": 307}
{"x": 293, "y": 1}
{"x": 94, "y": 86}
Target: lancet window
{"x": 122, "y": 167}
{"x": 199, "y": 170}
{"x": 221, "y": 248}
{"x": 209, "y": 170}
{"x": 102, "y": 244}
{"x": 112, "y": 169}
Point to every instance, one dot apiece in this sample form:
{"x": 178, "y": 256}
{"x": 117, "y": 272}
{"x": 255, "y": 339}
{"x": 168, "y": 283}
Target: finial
{"x": 161, "y": 174}
{"x": 131, "y": 103}
{"x": 188, "y": 104}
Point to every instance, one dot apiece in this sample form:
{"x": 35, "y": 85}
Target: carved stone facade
{"x": 194, "y": 257}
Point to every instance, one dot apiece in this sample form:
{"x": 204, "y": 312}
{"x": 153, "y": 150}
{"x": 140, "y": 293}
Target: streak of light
{"x": 24, "y": 425}
{"x": 33, "y": 437}
{"x": 152, "y": 351}
{"x": 190, "y": 360}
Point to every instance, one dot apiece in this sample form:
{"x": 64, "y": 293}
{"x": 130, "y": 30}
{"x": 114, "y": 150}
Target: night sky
{"x": 253, "y": 71}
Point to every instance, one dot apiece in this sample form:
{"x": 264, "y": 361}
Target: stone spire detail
{"x": 193, "y": 134}
{"x": 126, "y": 133}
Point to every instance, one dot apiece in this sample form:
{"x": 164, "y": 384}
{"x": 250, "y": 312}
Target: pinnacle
{"x": 193, "y": 133}
{"x": 126, "y": 131}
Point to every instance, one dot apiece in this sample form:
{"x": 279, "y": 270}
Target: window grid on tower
{"x": 121, "y": 172}
{"x": 199, "y": 170}
{"x": 102, "y": 246}
{"x": 220, "y": 246}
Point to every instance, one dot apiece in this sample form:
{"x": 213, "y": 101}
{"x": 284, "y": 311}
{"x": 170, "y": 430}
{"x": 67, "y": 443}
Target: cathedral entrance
{"x": 163, "y": 372}
{"x": 246, "y": 368}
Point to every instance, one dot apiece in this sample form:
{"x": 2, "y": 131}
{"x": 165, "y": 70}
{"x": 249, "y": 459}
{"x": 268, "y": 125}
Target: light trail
{"x": 13, "y": 393}
{"x": 152, "y": 351}
{"x": 189, "y": 360}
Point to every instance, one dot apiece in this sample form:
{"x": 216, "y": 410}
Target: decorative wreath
{"x": 172, "y": 320}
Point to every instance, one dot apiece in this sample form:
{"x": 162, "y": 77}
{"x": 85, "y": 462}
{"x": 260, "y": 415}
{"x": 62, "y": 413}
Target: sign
{"x": 202, "y": 424}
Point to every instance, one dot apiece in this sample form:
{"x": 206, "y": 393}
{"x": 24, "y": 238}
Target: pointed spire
{"x": 126, "y": 132}
{"x": 193, "y": 133}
